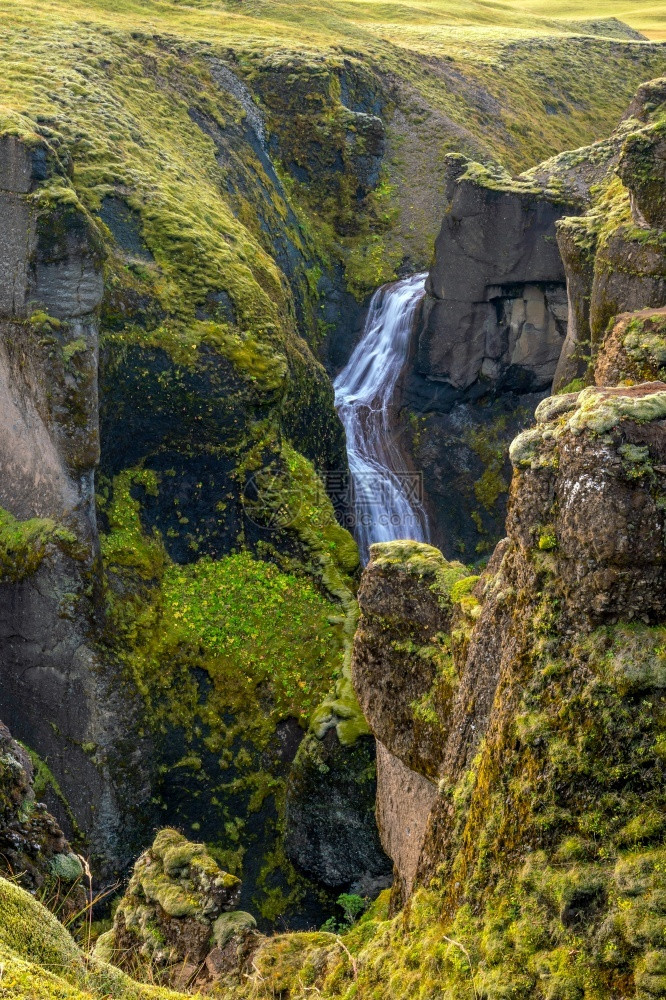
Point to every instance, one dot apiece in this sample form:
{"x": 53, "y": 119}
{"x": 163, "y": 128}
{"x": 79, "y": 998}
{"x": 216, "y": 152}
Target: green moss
{"x": 125, "y": 545}
{"x": 66, "y": 867}
{"x": 547, "y": 539}
{"x": 599, "y": 412}
{"x": 575, "y": 385}
{"x": 24, "y": 544}
{"x": 45, "y": 780}
{"x": 41, "y": 961}
{"x": 229, "y": 924}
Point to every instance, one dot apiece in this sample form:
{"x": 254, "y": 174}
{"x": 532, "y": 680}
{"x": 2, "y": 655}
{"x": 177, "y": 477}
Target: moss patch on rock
{"x": 24, "y": 544}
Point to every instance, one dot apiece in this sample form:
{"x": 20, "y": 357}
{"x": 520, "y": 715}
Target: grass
{"x": 39, "y": 960}
{"x": 112, "y": 81}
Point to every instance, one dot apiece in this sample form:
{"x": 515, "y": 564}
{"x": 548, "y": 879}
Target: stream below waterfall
{"x": 387, "y": 495}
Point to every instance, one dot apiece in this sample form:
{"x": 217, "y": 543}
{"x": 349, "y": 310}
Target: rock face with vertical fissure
{"x": 55, "y": 694}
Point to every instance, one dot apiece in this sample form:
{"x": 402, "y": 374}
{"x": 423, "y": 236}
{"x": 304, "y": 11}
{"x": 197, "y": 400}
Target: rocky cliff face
{"x": 540, "y": 871}
{"x": 81, "y": 615}
{"x": 54, "y": 693}
{"x": 520, "y": 296}
{"x": 521, "y": 713}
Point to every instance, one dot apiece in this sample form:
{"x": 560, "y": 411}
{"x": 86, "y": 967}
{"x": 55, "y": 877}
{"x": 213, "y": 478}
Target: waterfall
{"x": 387, "y": 496}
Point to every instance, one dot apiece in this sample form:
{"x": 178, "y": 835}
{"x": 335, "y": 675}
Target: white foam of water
{"x": 387, "y": 498}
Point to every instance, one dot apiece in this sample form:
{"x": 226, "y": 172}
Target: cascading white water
{"x": 387, "y": 497}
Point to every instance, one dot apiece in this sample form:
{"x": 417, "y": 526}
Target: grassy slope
{"x": 39, "y": 960}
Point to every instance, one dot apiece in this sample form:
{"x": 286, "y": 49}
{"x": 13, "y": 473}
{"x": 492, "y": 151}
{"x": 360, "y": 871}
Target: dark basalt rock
{"x": 495, "y": 293}
{"x": 331, "y": 832}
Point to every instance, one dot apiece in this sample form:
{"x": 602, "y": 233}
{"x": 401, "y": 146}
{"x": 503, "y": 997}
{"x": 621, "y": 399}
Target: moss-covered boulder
{"x": 402, "y": 666}
{"x": 175, "y": 913}
{"x": 33, "y": 848}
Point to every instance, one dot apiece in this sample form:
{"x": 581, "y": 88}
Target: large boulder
{"x": 177, "y": 921}
{"x": 588, "y": 493}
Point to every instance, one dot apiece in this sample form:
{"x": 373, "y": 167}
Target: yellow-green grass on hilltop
{"x": 113, "y": 81}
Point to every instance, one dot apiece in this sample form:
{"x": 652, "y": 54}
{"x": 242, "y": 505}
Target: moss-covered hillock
{"x": 41, "y": 961}
{"x": 174, "y": 914}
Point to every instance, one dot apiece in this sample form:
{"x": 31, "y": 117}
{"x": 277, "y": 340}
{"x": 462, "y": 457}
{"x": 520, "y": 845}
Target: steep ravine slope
{"x": 541, "y": 866}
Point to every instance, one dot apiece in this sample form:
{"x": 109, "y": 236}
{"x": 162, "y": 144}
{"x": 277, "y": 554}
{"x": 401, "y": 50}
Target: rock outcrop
{"x": 177, "y": 920}
{"x": 55, "y": 693}
{"x": 331, "y": 833}
{"x": 404, "y": 674}
{"x": 521, "y": 296}
{"x": 586, "y": 528}
{"x": 541, "y": 873}
{"x": 614, "y": 255}
{"x": 496, "y": 304}
{"x": 401, "y": 666}
{"x": 634, "y": 350}
{"x": 33, "y": 849}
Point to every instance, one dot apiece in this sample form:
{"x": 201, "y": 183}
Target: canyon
{"x": 241, "y": 282}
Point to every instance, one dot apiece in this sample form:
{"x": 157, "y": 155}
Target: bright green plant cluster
{"x": 23, "y": 544}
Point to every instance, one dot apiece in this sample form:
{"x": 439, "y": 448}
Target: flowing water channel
{"x": 387, "y": 495}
